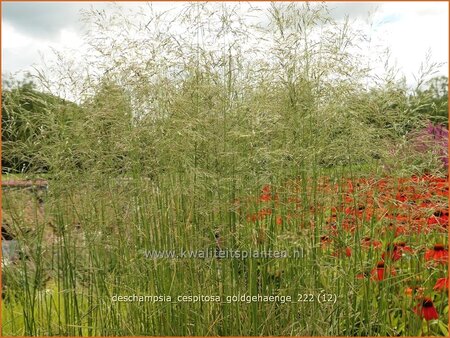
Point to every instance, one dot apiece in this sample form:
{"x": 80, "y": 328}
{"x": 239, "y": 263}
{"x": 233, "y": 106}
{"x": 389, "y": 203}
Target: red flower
{"x": 438, "y": 253}
{"x": 252, "y": 218}
{"x": 348, "y": 251}
{"x": 380, "y": 272}
{"x": 402, "y": 246}
{"x": 440, "y": 217}
{"x": 338, "y": 253}
{"x": 279, "y": 220}
{"x": 417, "y": 290}
{"x": 392, "y": 254}
{"x": 265, "y": 212}
{"x": 401, "y": 197}
{"x": 426, "y": 309}
{"x": 367, "y": 242}
{"x": 441, "y": 284}
{"x": 396, "y": 229}
{"x": 350, "y": 186}
{"x": 395, "y": 251}
{"x": 325, "y": 240}
{"x": 266, "y": 195}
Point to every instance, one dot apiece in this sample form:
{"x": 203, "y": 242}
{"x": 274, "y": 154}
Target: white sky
{"x": 30, "y": 30}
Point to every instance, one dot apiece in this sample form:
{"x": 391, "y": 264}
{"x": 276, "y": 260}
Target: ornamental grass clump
{"x": 224, "y": 128}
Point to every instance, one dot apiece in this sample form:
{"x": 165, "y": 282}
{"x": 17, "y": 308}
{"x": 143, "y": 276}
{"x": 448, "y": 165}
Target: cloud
{"x": 354, "y": 10}
{"x": 42, "y": 19}
{"x": 421, "y": 29}
{"x": 20, "y": 52}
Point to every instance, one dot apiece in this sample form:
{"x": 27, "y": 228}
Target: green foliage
{"x": 32, "y": 123}
{"x": 431, "y": 102}
{"x": 107, "y": 129}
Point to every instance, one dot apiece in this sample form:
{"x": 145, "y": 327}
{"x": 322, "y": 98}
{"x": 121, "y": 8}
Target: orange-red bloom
{"x": 438, "y": 253}
{"x": 339, "y": 252}
{"x": 395, "y": 251}
{"x": 324, "y": 241}
{"x": 380, "y": 272}
{"x": 426, "y": 309}
{"x": 367, "y": 242}
{"x": 417, "y": 290}
{"x": 441, "y": 284}
{"x": 279, "y": 220}
{"x": 266, "y": 195}
{"x": 348, "y": 251}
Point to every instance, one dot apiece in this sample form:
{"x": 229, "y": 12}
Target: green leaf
{"x": 443, "y": 328}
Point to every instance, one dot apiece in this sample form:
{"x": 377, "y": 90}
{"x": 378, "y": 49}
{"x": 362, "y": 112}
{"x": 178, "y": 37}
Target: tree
{"x": 431, "y": 102}
{"x": 31, "y": 124}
